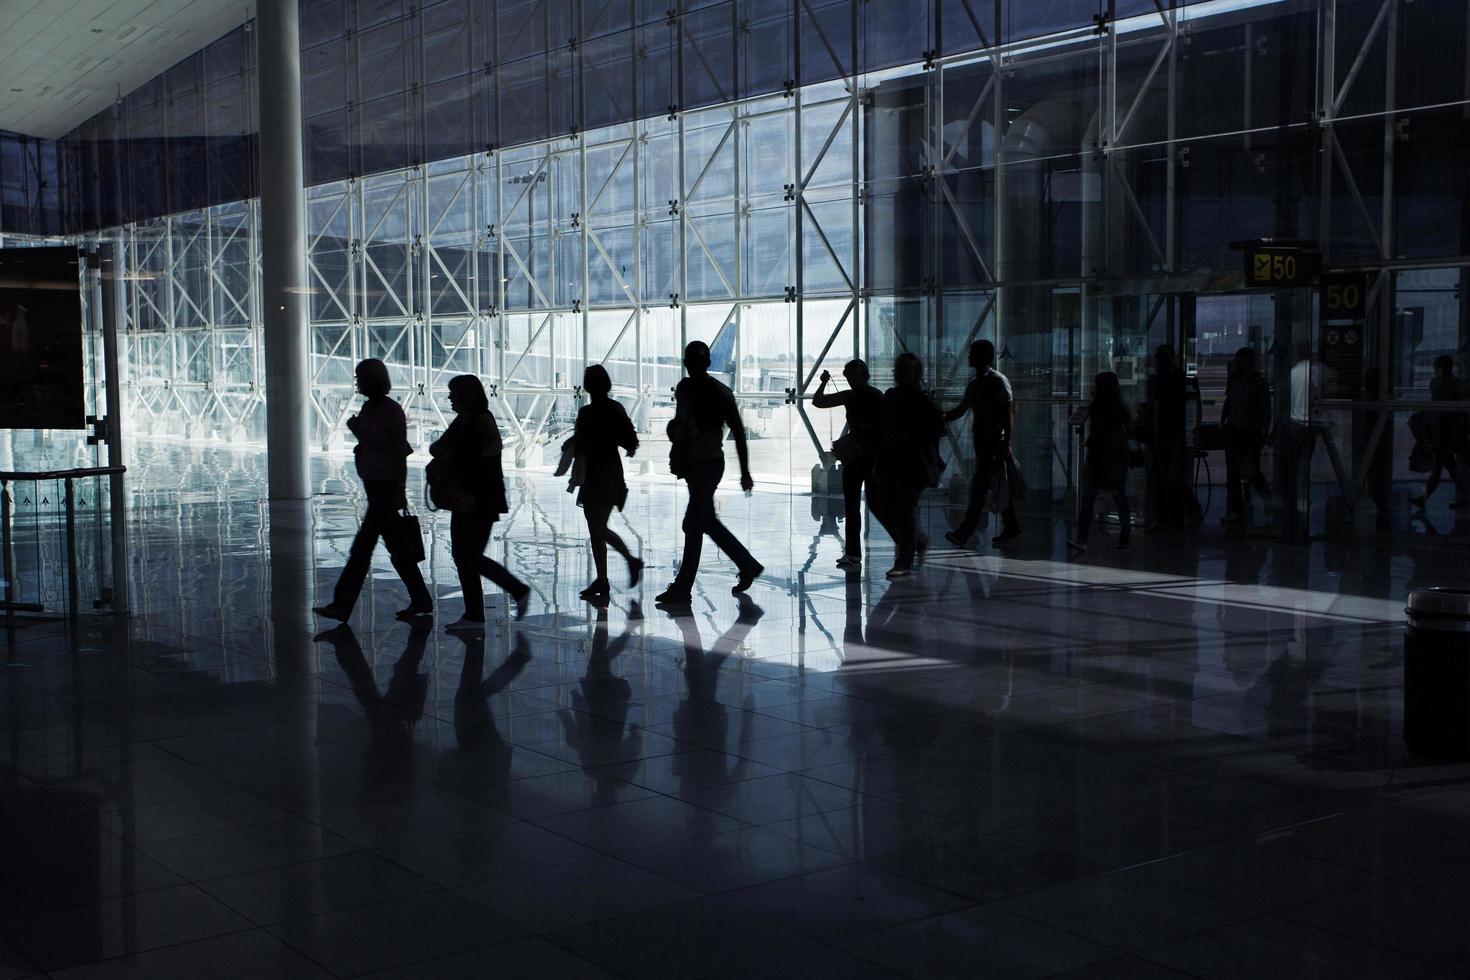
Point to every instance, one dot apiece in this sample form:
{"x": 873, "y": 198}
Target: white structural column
{"x": 283, "y": 250}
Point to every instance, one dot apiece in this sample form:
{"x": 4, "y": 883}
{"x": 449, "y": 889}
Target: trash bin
{"x": 1437, "y": 673}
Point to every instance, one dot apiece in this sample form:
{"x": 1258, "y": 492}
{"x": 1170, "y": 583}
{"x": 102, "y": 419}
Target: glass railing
{"x": 62, "y": 544}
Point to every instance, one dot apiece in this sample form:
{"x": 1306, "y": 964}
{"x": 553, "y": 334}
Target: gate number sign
{"x": 1280, "y": 267}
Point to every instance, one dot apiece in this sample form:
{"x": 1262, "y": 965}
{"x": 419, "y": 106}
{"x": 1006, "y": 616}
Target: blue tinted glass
{"x": 765, "y": 46}
{"x": 387, "y": 134}
{"x": 709, "y": 55}
{"x": 449, "y": 118}
{"x": 447, "y": 35}
{"x": 607, "y": 74}
{"x": 322, "y": 20}
{"x": 525, "y": 112}
{"x": 327, "y": 147}
{"x": 603, "y": 17}
{"x": 825, "y": 40}
{"x": 324, "y": 84}
{"x": 522, "y": 28}
{"x": 386, "y": 60}
{"x": 895, "y": 32}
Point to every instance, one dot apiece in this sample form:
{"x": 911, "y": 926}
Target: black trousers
{"x": 897, "y": 509}
{"x": 854, "y": 476}
{"x": 384, "y": 500}
{"x": 1087, "y": 506}
{"x": 469, "y": 532}
{"x": 986, "y": 458}
{"x": 701, "y": 519}
{"x": 1242, "y": 469}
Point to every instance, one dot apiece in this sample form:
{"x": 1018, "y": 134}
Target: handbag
{"x": 445, "y": 492}
{"x": 405, "y": 538}
{"x": 847, "y": 449}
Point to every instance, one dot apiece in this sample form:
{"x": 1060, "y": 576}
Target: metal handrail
{"x": 72, "y": 474}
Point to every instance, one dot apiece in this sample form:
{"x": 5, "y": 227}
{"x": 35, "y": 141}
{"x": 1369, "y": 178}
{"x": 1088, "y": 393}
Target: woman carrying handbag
{"x": 465, "y": 478}
{"x": 381, "y": 456}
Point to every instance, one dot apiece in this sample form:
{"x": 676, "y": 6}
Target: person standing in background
{"x": 1446, "y": 432}
{"x": 864, "y": 405}
{"x": 1246, "y": 421}
{"x": 907, "y": 460}
{"x": 1108, "y": 424}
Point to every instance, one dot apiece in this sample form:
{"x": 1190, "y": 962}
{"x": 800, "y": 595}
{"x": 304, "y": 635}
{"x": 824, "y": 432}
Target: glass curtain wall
{"x": 859, "y": 179}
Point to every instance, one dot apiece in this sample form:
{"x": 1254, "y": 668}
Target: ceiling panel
{"x": 63, "y": 61}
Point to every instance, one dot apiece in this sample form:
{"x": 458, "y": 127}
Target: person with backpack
{"x": 704, "y": 408}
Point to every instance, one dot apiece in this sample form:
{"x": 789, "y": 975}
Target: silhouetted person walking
{"x": 1106, "y": 468}
{"x": 858, "y": 448}
{"x": 1176, "y": 503}
{"x": 908, "y": 459}
{"x": 466, "y": 474}
{"x": 1446, "y": 432}
{"x": 992, "y": 411}
{"x": 703, "y": 409}
{"x": 1246, "y": 421}
{"x": 381, "y": 457}
{"x": 602, "y": 428}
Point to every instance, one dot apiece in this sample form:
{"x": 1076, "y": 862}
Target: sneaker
{"x": 466, "y": 625}
{"x": 1009, "y": 534}
{"x": 635, "y": 572}
{"x": 956, "y": 538}
{"x": 414, "y": 611}
{"x": 850, "y": 561}
{"x": 896, "y": 572}
{"x": 597, "y": 590}
{"x": 1077, "y": 546}
{"x": 333, "y": 611}
{"x": 523, "y": 603}
{"x": 674, "y": 595}
{"x": 747, "y": 577}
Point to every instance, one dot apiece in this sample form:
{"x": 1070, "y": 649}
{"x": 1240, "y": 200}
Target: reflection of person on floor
{"x": 381, "y": 457}
{"x": 703, "y": 409}
{"x": 992, "y": 411}
{"x": 701, "y": 719}
{"x": 1106, "y": 468}
{"x": 864, "y": 405}
{"x": 1246, "y": 420}
{"x": 908, "y": 460}
{"x": 603, "y": 427}
{"x": 597, "y": 726}
{"x": 390, "y": 715}
{"x": 1445, "y": 431}
{"x": 486, "y": 752}
{"x": 467, "y": 462}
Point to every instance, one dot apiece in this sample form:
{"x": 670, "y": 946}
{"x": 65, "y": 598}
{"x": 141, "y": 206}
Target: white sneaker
{"x": 463, "y": 625}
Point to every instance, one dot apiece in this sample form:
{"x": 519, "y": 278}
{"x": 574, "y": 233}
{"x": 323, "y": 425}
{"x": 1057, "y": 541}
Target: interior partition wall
{"x": 798, "y": 183}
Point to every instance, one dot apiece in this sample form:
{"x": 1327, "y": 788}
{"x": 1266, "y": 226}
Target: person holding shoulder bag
{"x": 465, "y": 477}
{"x": 381, "y": 458}
{"x": 856, "y": 449}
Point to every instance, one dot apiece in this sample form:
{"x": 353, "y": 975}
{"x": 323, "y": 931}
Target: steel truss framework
{"x": 1071, "y": 181}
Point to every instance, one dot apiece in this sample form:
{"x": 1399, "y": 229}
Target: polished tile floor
{"x": 1180, "y": 760}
